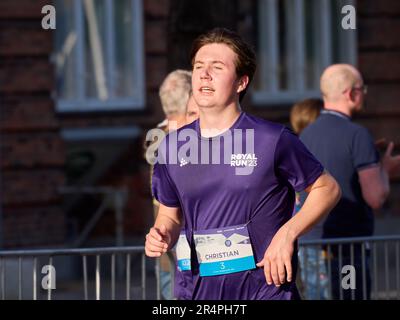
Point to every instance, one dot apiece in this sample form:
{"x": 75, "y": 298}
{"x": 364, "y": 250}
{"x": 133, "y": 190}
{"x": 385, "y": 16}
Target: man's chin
{"x": 206, "y": 106}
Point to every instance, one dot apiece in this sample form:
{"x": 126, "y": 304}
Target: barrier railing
{"x": 350, "y": 268}
{"x": 34, "y": 256}
{"x": 342, "y": 268}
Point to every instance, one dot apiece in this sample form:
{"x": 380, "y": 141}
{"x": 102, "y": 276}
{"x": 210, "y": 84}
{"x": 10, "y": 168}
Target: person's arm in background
{"x": 165, "y": 232}
{"x": 374, "y": 180}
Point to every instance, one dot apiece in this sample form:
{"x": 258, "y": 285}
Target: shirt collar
{"x": 336, "y": 113}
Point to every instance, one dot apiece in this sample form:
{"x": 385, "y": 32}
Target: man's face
{"x": 358, "y": 95}
{"x": 192, "y": 110}
{"x": 214, "y": 79}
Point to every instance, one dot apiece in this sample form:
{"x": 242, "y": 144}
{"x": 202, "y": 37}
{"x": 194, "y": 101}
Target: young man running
{"x": 236, "y": 196}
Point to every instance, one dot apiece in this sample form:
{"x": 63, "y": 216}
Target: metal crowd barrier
{"x": 384, "y": 255}
{"x": 34, "y": 256}
{"x": 384, "y": 265}
{"x": 381, "y": 253}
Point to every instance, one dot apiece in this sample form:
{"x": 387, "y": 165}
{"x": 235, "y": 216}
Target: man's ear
{"x": 351, "y": 95}
{"x": 243, "y": 82}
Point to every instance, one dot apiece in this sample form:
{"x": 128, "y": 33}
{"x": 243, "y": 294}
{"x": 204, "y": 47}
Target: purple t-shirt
{"x": 251, "y": 177}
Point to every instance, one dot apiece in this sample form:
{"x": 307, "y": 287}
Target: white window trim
{"x": 269, "y": 54}
{"x": 282, "y": 97}
{"x": 351, "y": 40}
{"x": 100, "y": 133}
{"x": 137, "y": 101}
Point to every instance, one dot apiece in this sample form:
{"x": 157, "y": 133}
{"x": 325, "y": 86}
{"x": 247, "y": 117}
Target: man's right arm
{"x": 165, "y": 232}
{"x": 374, "y": 180}
{"x": 375, "y": 187}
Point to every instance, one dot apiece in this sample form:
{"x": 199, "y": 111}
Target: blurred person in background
{"x": 313, "y": 280}
{"x": 192, "y": 110}
{"x": 304, "y": 113}
{"x": 348, "y": 152}
{"x": 179, "y": 109}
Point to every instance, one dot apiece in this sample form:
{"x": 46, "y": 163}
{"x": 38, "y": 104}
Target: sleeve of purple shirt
{"x": 294, "y": 163}
{"x": 163, "y": 188}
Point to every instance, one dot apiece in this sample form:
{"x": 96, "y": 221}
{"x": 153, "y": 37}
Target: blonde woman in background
{"x": 312, "y": 259}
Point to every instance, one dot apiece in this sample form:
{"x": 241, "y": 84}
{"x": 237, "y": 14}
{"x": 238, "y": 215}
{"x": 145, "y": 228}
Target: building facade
{"x": 76, "y": 102}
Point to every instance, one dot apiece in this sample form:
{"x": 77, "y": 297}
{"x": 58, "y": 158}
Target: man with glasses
{"x": 347, "y": 151}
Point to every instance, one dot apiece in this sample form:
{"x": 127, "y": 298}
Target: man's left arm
{"x": 324, "y": 194}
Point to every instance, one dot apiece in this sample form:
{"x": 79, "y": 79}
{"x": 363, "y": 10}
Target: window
{"x": 99, "y": 55}
{"x": 298, "y": 39}
{"x": 91, "y": 152}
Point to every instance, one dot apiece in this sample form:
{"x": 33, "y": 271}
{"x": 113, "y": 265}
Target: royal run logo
{"x": 237, "y": 160}
{"x": 243, "y": 160}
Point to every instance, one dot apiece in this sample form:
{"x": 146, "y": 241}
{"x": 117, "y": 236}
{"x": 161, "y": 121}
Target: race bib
{"x": 183, "y": 252}
{"x": 223, "y": 251}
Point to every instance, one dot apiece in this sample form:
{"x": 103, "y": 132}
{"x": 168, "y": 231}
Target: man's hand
{"x": 323, "y": 195}
{"x": 277, "y": 261}
{"x": 381, "y": 144}
{"x": 157, "y": 241}
{"x": 391, "y": 163}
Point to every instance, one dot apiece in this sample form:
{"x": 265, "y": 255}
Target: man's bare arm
{"x": 324, "y": 194}
{"x": 374, "y": 181}
{"x": 375, "y": 187}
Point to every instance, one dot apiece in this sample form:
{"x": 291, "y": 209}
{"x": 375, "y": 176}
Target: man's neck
{"x": 215, "y": 121}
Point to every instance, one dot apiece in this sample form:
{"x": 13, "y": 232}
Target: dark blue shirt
{"x": 343, "y": 148}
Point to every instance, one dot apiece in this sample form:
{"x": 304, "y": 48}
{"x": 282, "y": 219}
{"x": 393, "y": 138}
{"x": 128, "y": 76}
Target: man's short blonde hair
{"x": 336, "y": 79}
{"x": 175, "y": 92}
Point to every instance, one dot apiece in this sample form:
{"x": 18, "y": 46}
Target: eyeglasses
{"x": 363, "y": 89}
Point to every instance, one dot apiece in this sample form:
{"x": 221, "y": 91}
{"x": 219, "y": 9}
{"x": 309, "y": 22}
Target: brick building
{"x": 76, "y": 102}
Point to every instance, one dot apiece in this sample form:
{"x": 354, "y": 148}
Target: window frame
{"x": 84, "y": 104}
{"x": 268, "y": 33}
